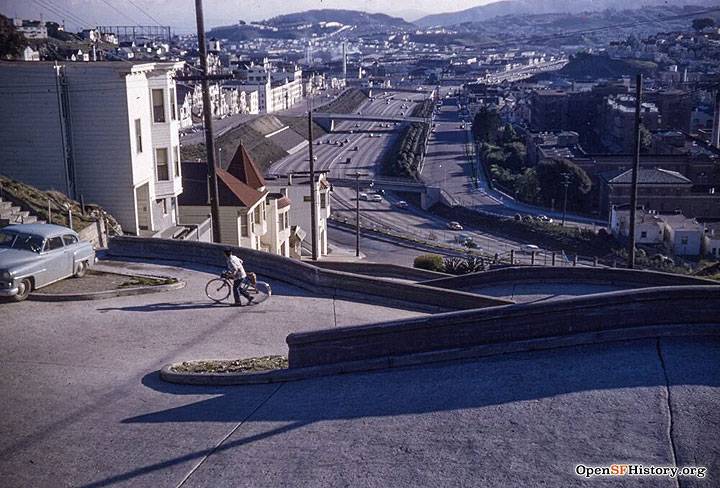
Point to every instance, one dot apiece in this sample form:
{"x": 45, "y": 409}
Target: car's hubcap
{"x": 22, "y": 288}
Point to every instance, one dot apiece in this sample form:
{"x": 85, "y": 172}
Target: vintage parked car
{"x": 36, "y": 255}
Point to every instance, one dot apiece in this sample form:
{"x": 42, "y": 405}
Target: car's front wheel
{"x": 81, "y": 269}
{"x": 24, "y": 289}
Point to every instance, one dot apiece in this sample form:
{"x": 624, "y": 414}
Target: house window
{"x": 244, "y": 225}
{"x": 643, "y": 235}
{"x": 176, "y": 154}
{"x": 323, "y": 200}
{"x": 138, "y": 136}
{"x": 257, "y": 214}
{"x": 161, "y": 164}
{"x": 684, "y": 240}
{"x": 158, "y": 101}
{"x": 173, "y": 107}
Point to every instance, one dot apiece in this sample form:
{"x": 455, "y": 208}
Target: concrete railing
{"x": 302, "y": 275}
{"x": 579, "y": 275}
{"x": 382, "y": 270}
{"x": 623, "y": 313}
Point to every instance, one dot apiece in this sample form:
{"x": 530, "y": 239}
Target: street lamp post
{"x": 566, "y": 183}
{"x": 357, "y": 175}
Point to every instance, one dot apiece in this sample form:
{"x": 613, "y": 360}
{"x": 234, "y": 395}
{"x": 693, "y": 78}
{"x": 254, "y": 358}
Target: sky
{"x": 180, "y": 14}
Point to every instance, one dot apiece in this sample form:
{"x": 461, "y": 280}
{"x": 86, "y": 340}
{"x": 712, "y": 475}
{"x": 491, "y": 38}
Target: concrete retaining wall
{"x": 579, "y": 275}
{"x": 590, "y": 314}
{"x": 382, "y": 270}
{"x": 303, "y": 275}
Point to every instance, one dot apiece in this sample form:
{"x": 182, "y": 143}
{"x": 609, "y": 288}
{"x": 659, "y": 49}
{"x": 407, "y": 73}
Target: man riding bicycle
{"x": 236, "y": 271}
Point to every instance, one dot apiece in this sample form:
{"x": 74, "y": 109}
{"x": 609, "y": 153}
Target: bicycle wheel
{"x": 263, "y": 288}
{"x": 217, "y": 290}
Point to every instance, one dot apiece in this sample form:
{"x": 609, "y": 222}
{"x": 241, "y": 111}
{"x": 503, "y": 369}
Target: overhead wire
{"x": 145, "y": 13}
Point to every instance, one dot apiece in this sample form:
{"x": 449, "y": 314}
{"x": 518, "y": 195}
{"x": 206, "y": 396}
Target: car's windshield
{"x": 25, "y": 242}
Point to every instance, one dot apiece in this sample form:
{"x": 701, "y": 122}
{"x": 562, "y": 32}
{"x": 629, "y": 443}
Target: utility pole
{"x": 566, "y": 184}
{"x": 636, "y": 170}
{"x": 207, "y": 118}
{"x": 313, "y": 196}
{"x": 357, "y": 175}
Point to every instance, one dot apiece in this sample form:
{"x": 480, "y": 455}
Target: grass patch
{"x": 346, "y": 103}
{"x": 36, "y": 201}
{"x": 246, "y": 365}
{"x": 135, "y": 281}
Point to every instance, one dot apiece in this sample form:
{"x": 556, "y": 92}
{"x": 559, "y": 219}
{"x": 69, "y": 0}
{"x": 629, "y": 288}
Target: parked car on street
{"x": 36, "y": 255}
{"x": 402, "y": 204}
{"x": 453, "y": 225}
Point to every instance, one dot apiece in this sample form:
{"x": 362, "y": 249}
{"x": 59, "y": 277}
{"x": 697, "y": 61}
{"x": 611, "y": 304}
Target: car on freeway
{"x": 357, "y": 125}
{"x": 347, "y": 140}
{"x": 402, "y": 204}
{"x": 529, "y": 248}
{"x": 374, "y": 197}
{"x": 454, "y": 225}
{"x": 318, "y": 143}
{"x": 546, "y": 219}
{"x": 36, "y": 255}
{"x": 363, "y": 196}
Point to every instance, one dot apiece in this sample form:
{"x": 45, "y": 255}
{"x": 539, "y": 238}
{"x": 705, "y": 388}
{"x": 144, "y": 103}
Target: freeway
{"x": 333, "y": 153}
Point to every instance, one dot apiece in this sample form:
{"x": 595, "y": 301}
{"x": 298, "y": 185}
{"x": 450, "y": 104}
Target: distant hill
{"x": 518, "y": 7}
{"x": 584, "y": 66}
{"x": 318, "y": 22}
{"x": 347, "y": 17}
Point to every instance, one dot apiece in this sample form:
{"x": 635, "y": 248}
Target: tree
{"x": 645, "y": 140}
{"x": 12, "y": 42}
{"x": 700, "y": 24}
{"x": 486, "y": 125}
{"x": 508, "y": 134}
{"x": 551, "y": 182}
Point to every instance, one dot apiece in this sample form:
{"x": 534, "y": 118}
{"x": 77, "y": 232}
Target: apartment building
{"x": 297, "y": 189}
{"x": 104, "y": 131}
{"x": 278, "y": 89}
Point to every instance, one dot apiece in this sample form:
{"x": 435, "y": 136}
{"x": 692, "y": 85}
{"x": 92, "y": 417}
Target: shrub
{"x": 454, "y": 265}
{"x": 431, "y": 262}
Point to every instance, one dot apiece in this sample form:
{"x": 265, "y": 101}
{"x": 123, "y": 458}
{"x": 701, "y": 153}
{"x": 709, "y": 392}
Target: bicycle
{"x": 220, "y": 289}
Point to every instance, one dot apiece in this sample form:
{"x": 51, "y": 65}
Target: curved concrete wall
{"x": 615, "y": 311}
{"x": 581, "y": 275}
{"x": 303, "y": 275}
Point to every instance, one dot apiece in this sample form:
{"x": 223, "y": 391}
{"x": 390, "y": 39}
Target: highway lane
{"x": 385, "y": 215}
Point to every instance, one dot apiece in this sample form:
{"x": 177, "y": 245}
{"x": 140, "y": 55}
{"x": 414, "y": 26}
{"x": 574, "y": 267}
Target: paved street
{"x": 83, "y": 405}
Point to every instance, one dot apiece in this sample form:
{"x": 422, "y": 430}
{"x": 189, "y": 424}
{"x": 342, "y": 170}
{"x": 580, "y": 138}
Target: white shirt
{"x": 235, "y": 266}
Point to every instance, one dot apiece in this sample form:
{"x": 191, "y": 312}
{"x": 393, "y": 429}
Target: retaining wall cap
{"x": 575, "y": 304}
{"x": 431, "y": 357}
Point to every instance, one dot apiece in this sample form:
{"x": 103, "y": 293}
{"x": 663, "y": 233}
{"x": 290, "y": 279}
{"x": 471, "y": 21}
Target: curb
{"x": 101, "y": 295}
{"x": 433, "y": 357}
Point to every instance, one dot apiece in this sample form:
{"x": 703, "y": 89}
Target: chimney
{"x": 715, "y": 140}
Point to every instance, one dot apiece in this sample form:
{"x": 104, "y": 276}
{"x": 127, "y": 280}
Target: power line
{"x": 62, "y": 14}
{"x": 134, "y": 21}
{"x": 145, "y": 12}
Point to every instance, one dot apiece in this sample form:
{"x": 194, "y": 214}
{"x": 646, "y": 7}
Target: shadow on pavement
{"x": 492, "y": 381}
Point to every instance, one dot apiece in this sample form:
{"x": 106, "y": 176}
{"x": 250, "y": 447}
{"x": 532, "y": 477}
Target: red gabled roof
{"x": 244, "y": 169}
{"x": 245, "y": 195}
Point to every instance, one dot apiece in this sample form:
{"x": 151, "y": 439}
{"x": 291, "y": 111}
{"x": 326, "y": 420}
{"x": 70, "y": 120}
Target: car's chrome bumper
{"x": 8, "y": 292}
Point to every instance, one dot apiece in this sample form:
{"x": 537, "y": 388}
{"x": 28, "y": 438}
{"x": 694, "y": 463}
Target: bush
{"x": 454, "y": 265}
{"x": 431, "y": 262}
